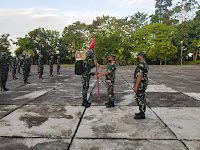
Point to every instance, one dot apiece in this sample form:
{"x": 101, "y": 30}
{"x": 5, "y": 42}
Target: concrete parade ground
{"x": 47, "y": 114}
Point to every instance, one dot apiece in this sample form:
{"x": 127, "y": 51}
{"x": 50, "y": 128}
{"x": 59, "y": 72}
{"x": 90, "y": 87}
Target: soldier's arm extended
{"x": 101, "y": 66}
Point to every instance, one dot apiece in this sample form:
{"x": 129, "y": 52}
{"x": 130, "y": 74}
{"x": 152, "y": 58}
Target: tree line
{"x": 162, "y": 36}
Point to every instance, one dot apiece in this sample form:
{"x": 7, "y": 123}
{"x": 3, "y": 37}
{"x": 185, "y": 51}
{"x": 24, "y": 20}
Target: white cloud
{"x": 19, "y": 22}
{"x": 137, "y": 3}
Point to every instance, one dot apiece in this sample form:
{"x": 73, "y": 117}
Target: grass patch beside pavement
{"x": 191, "y": 62}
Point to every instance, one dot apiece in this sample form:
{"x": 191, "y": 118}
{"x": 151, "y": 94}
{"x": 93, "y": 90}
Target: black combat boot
{"x": 136, "y": 114}
{"x": 5, "y": 89}
{"x": 140, "y": 115}
{"x": 110, "y": 104}
{"x": 86, "y": 103}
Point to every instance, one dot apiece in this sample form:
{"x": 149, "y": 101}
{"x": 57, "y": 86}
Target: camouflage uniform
{"x": 51, "y": 67}
{"x": 4, "y": 68}
{"x": 86, "y": 77}
{"x": 14, "y": 68}
{"x": 110, "y": 80}
{"x": 19, "y": 64}
{"x": 141, "y": 70}
{"x": 58, "y": 66}
{"x": 26, "y": 67}
{"x": 40, "y": 67}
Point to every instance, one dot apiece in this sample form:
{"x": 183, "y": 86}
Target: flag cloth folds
{"x": 92, "y": 44}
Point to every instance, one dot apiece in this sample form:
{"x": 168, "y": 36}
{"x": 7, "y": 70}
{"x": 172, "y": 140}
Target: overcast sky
{"x": 18, "y": 17}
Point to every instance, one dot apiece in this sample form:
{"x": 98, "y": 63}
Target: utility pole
{"x": 181, "y": 53}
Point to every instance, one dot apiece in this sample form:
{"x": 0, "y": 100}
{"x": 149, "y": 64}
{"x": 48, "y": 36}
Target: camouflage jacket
{"x": 40, "y": 63}
{"x": 142, "y": 70}
{"x": 51, "y": 63}
{"x": 87, "y": 68}
{"x": 58, "y": 61}
{"x": 4, "y": 67}
{"x": 111, "y": 68}
{"x": 26, "y": 66}
{"x": 14, "y": 64}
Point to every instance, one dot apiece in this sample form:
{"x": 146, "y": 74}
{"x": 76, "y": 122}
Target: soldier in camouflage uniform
{"x": 40, "y": 66}
{"x": 4, "y": 68}
{"x": 19, "y": 65}
{"x": 110, "y": 79}
{"x": 14, "y": 67}
{"x": 58, "y": 65}
{"x": 86, "y": 77}
{"x": 26, "y": 67}
{"x": 140, "y": 85}
{"x": 51, "y": 66}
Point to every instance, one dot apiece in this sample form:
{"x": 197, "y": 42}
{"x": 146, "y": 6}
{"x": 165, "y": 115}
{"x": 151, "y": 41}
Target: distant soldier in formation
{"x": 9, "y": 63}
{"x": 86, "y": 77}
{"x": 58, "y": 65}
{"x": 51, "y": 62}
{"x": 140, "y": 85}
{"x": 14, "y": 67}
{"x": 26, "y": 69}
{"x": 4, "y": 68}
{"x": 19, "y": 65}
{"x": 40, "y": 66}
{"x": 110, "y": 79}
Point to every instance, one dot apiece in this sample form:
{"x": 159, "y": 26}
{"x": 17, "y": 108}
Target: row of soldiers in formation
{"x": 26, "y": 68}
{"x": 140, "y": 81}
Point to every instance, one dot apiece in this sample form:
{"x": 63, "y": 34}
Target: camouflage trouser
{"x": 51, "y": 70}
{"x": 3, "y": 78}
{"x": 40, "y": 70}
{"x": 141, "y": 100}
{"x": 85, "y": 83}
{"x": 25, "y": 76}
{"x": 18, "y": 68}
{"x": 14, "y": 72}
{"x": 110, "y": 89}
{"x": 58, "y": 69}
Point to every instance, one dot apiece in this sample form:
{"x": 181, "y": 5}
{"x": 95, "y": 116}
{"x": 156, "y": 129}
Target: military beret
{"x": 141, "y": 53}
{"x": 3, "y": 53}
{"x": 112, "y": 55}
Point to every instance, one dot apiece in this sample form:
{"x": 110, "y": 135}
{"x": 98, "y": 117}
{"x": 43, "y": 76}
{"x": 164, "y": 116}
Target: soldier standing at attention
{"x": 4, "y": 68}
{"x": 110, "y": 79}
{"x": 40, "y": 66}
{"x": 14, "y": 67}
{"x": 58, "y": 65}
{"x": 140, "y": 85}
{"x": 86, "y": 76}
{"x": 51, "y": 66}
{"x": 19, "y": 65}
{"x": 26, "y": 69}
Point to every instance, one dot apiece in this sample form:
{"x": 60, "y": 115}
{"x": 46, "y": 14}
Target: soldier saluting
{"x": 4, "y": 68}
{"x": 140, "y": 85}
{"x": 26, "y": 69}
{"x": 110, "y": 79}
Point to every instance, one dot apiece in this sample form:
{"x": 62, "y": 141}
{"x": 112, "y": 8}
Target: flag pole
{"x": 97, "y": 71}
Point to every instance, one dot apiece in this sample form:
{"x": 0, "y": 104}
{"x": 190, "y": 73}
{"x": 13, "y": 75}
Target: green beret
{"x": 112, "y": 55}
{"x": 141, "y": 53}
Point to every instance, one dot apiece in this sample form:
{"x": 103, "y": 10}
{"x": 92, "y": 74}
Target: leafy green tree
{"x": 5, "y": 44}
{"x": 156, "y": 39}
{"x": 185, "y": 10}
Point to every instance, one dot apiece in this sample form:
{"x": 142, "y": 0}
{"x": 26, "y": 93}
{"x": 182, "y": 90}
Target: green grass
{"x": 191, "y": 62}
